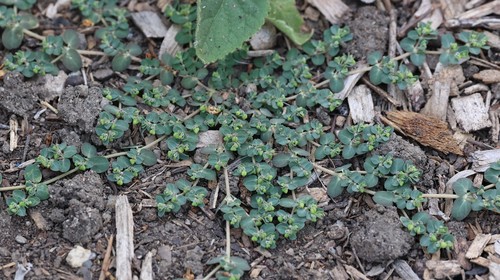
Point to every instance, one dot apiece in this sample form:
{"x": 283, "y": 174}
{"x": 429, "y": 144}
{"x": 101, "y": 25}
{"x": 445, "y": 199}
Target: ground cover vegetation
{"x": 274, "y": 135}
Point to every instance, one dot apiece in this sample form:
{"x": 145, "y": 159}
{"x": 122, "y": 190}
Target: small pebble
{"x": 21, "y": 240}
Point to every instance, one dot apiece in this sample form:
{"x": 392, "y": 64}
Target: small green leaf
{"x": 462, "y": 186}
{"x": 348, "y": 152}
{"x": 335, "y": 186}
{"x": 288, "y": 203}
{"x": 88, "y": 150}
{"x": 417, "y": 58}
{"x": 281, "y": 160}
{"x": 71, "y": 59}
{"x": 374, "y": 57}
{"x": 285, "y": 16}
{"x": 32, "y": 173}
{"x": 223, "y": 25}
{"x": 446, "y": 40}
{"x": 461, "y": 208}
{"x": 121, "y": 62}
{"x": 384, "y": 198}
{"x": 71, "y": 38}
{"x": 376, "y": 75}
{"x": 12, "y": 37}
{"x": 148, "y": 157}
{"x": 99, "y": 164}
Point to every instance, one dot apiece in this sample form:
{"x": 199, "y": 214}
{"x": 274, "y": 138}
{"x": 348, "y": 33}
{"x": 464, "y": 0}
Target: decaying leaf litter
{"x": 450, "y": 115}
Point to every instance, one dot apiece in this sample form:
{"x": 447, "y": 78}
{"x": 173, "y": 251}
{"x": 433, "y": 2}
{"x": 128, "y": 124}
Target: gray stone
{"x": 21, "y": 239}
{"x": 77, "y": 256}
{"x": 265, "y": 38}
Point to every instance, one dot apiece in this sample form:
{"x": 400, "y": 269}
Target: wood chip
{"x": 13, "y": 137}
{"x": 476, "y": 88}
{"x": 492, "y": 7}
{"x": 339, "y": 272}
{"x": 428, "y": 131}
{"x": 488, "y": 76}
{"x": 147, "y": 267}
{"x": 471, "y": 112}
{"x": 169, "y": 44}
{"x": 481, "y": 261}
{"x": 481, "y": 160}
{"x": 437, "y": 105}
{"x": 361, "y": 104}
{"x": 150, "y": 24}
{"x": 39, "y": 220}
{"x": 333, "y": 10}
{"x": 404, "y": 270}
{"x": 124, "y": 238}
{"x": 452, "y": 8}
{"x": 477, "y": 246}
{"x": 442, "y": 269}
{"x": 355, "y": 274}
{"x": 493, "y": 39}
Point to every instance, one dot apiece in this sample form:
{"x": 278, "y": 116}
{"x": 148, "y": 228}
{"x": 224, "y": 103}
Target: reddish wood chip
{"x": 428, "y": 131}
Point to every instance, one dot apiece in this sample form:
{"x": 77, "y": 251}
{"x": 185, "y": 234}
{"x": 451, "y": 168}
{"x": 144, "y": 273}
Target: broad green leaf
{"x": 88, "y": 150}
{"x": 384, "y": 198}
{"x": 148, "y": 157}
{"x": 71, "y": 38}
{"x": 417, "y": 58}
{"x": 491, "y": 175}
{"x": 461, "y": 208}
{"x": 69, "y": 151}
{"x": 32, "y": 173}
{"x": 376, "y": 75}
{"x": 99, "y": 164}
{"x": 348, "y": 152}
{"x": 42, "y": 192}
{"x": 71, "y": 59}
{"x": 12, "y": 37}
{"x": 462, "y": 186}
{"x": 28, "y": 21}
{"x": 285, "y": 16}
{"x": 446, "y": 40}
{"x": 121, "y": 62}
{"x": 374, "y": 57}
{"x": 223, "y": 25}
{"x": 288, "y": 203}
{"x": 281, "y": 160}
{"x": 335, "y": 187}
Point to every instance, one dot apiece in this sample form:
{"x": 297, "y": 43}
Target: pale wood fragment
{"x": 355, "y": 274}
{"x": 169, "y": 44}
{"x": 426, "y": 130}
{"x": 349, "y": 84}
{"x": 13, "y": 136}
{"x": 438, "y": 269}
{"x": 416, "y": 96}
{"x": 361, "y": 104}
{"x": 483, "y": 10}
{"x": 473, "y": 4}
{"x": 437, "y": 104}
{"x": 481, "y": 160}
{"x": 471, "y": 112}
{"x": 452, "y": 8}
{"x": 333, "y": 10}
{"x": 477, "y": 246}
{"x": 488, "y": 76}
{"x": 494, "y": 269}
{"x": 147, "y": 267}
{"x": 339, "y": 272}
{"x": 124, "y": 238}
{"x": 435, "y": 18}
{"x": 476, "y": 88}
{"x": 404, "y": 270}
{"x": 39, "y": 220}
{"x": 481, "y": 261}
{"x": 495, "y": 124}
{"x": 493, "y": 39}
{"x": 150, "y": 24}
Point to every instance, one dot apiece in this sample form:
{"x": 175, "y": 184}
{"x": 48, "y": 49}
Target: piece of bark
{"x": 481, "y": 160}
{"x": 423, "y": 10}
{"x": 426, "y": 130}
{"x": 471, "y": 112}
{"x": 169, "y": 44}
{"x": 150, "y": 24}
{"x": 475, "y": 88}
{"x": 488, "y": 76}
{"x": 494, "y": 269}
{"x": 442, "y": 269}
{"x": 39, "y": 220}
{"x": 481, "y": 261}
{"x": 361, "y": 104}
{"x": 435, "y": 18}
{"x": 404, "y": 270}
{"x": 483, "y": 10}
{"x": 339, "y": 272}
{"x": 147, "y": 267}
{"x": 477, "y": 246}
{"x": 333, "y": 10}
{"x": 124, "y": 238}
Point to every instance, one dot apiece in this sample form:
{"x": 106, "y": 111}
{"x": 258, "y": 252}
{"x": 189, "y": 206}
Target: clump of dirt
{"x": 18, "y": 96}
{"x": 77, "y": 206}
{"x": 379, "y": 236}
{"x": 370, "y": 31}
{"x": 80, "y": 106}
